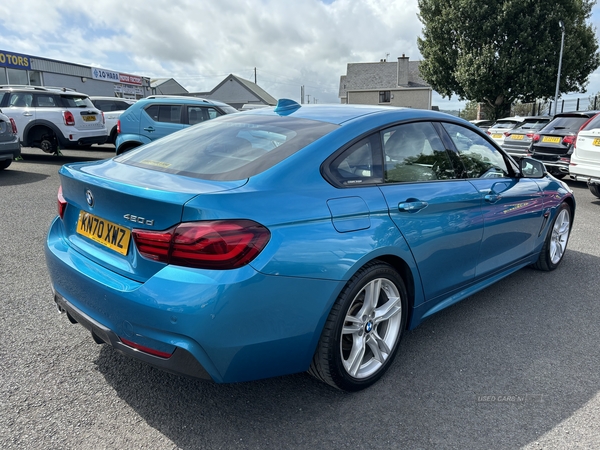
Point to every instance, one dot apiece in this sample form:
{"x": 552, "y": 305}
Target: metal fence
{"x": 547, "y": 108}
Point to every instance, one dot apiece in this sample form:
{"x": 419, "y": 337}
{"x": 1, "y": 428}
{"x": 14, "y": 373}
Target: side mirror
{"x": 532, "y": 168}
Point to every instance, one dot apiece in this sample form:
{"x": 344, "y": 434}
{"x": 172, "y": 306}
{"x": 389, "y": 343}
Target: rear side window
{"x": 480, "y": 159}
{"x": 360, "y": 164}
{"x": 415, "y": 152}
{"x": 74, "y": 101}
{"x": 164, "y": 113}
{"x": 231, "y": 147}
{"x": 45, "y": 101}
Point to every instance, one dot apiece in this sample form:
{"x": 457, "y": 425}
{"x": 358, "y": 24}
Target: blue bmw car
{"x": 295, "y": 238}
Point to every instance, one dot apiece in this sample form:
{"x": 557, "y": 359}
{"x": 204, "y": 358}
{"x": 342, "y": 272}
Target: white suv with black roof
{"x": 53, "y": 118}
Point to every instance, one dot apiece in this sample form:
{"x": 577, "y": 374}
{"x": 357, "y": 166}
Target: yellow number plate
{"x": 596, "y": 142}
{"x": 518, "y": 137}
{"x": 497, "y": 136}
{"x": 104, "y": 232}
{"x": 89, "y": 118}
{"x": 551, "y": 139}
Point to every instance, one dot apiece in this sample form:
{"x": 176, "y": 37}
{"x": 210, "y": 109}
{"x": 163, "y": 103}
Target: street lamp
{"x": 561, "y": 24}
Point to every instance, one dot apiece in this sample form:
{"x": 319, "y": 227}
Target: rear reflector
{"x": 220, "y": 244}
{"x": 61, "y": 203}
{"x": 144, "y": 349}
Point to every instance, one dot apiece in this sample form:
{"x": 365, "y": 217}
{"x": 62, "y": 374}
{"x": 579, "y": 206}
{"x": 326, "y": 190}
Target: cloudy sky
{"x": 199, "y": 42}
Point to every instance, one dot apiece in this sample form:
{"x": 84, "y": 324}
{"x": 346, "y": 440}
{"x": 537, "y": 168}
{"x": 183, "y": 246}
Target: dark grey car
{"x": 10, "y": 147}
{"x": 518, "y": 140}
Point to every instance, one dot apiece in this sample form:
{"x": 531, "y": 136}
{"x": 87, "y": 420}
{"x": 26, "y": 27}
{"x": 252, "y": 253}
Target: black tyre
{"x": 595, "y": 189}
{"x": 361, "y": 335}
{"x": 113, "y": 136}
{"x": 556, "y": 241}
{"x": 126, "y": 147}
{"x": 49, "y": 144}
{"x": 5, "y": 163}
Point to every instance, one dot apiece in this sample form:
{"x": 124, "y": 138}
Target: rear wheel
{"x": 555, "y": 244}
{"x": 595, "y": 189}
{"x": 363, "y": 330}
{"x": 126, "y": 147}
{"x": 5, "y": 163}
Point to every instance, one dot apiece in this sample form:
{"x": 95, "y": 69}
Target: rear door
{"x": 159, "y": 120}
{"x": 438, "y": 214}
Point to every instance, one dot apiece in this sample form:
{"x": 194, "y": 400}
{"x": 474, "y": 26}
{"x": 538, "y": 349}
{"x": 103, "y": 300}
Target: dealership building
{"x": 20, "y": 69}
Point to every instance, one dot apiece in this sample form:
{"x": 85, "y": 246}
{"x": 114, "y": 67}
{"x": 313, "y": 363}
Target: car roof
{"x": 577, "y": 114}
{"x": 95, "y": 97}
{"x": 340, "y": 113}
{"x": 180, "y": 99}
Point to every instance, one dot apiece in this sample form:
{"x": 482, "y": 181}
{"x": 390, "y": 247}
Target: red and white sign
{"x": 130, "y": 79}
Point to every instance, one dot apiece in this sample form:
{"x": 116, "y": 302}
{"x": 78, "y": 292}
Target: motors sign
{"x": 14, "y": 60}
{"x": 104, "y": 75}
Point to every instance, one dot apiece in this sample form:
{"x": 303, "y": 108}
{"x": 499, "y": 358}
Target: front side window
{"x": 197, "y": 114}
{"x": 479, "y": 158}
{"x": 415, "y": 152}
{"x": 21, "y": 99}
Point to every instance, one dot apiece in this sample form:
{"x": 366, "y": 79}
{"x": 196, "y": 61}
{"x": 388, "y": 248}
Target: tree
{"x": 501, "y": 51}
{"x": 470, "y": 111}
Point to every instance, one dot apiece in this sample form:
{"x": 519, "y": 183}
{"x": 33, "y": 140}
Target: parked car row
{"x": 567, "y": 144}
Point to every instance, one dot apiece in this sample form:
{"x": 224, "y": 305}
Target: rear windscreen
{"x": 72, "y": 101}
{"x": 565, "y": 123}
{"x": 231, "y": 147}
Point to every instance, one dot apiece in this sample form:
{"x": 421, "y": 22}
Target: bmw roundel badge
{"x": 89, "y": 198}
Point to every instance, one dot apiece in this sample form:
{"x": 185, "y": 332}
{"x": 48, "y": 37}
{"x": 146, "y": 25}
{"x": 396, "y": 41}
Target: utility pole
{"x": 255, "y": 75}
{"x": 308, "y": 96}
{"x": 302, "y": 95}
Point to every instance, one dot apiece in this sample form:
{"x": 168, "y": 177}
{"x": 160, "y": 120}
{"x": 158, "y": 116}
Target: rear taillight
{"x": 61, "y": 203}
{"x": 69, "y": 118}
{"x": 530, "y": 135}
{"x": 569, "y": 140}
{"x": 221, "y": 244}
{"x": 119, "y": 126}
{"x": 535, "y": 138}
{"x": 507, "y": 133}
{"x": 488, "y": 132}
{"x": 13, "y": 126}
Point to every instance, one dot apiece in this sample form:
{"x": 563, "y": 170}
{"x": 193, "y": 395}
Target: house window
{"x": 384, "y": 96}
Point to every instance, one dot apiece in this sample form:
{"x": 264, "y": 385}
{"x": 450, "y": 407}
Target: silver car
{"x": 10, "y": 147}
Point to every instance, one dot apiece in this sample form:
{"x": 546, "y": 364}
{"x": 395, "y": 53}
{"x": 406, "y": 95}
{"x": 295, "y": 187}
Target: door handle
{"x": 412, "y": 206}
{"x": 491, "y": 198}
{"x": 150, "y": 129}
{"x": 27, "y": 114}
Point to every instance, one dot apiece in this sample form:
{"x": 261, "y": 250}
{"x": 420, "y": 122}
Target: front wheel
{"x": 555, "y": 244}
{"x": 363, "y": 330}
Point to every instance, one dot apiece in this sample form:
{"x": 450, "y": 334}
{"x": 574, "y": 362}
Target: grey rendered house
{"x": 396, "y": 83}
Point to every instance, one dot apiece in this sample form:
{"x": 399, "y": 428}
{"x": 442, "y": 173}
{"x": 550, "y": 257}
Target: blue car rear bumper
{"x": 230, "y": 326}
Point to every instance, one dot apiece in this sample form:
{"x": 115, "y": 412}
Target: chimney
{"x": 403, "y": 70}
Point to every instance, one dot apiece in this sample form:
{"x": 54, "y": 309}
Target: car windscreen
{"x": 74, "y": 101}
{"x": 565, "y": 123}
{"x": 231, "y": 147}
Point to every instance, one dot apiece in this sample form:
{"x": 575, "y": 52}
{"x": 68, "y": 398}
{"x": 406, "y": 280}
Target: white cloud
{"x": 291, "y": 43}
